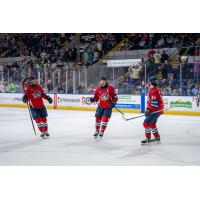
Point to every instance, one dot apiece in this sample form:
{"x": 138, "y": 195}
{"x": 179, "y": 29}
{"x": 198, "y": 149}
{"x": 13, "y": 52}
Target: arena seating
{"x": 49, "y": 56}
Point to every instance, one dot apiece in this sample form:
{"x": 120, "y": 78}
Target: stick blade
{"x": 124, "y": 118}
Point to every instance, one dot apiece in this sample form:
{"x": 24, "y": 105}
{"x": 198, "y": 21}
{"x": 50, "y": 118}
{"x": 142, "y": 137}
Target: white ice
{"x": 72, "y": 143}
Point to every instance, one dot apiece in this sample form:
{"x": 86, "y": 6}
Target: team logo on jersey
{"x": 37, "y": 94}
{"x": 104, "y": 97}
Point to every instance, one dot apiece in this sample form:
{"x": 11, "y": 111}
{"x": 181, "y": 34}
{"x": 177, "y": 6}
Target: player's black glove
{"x": 25, "y": 98}
{"x": 49, "y": 99}
{"x": 147, "y": 112}
{"x": 112, "y": 104}
{"x": 92, "y": 100}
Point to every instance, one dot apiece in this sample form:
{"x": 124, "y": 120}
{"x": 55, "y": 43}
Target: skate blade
{"x": 152, "y": 142}
{"x": 97, "y": 139}
{"x": 45, "y": 137}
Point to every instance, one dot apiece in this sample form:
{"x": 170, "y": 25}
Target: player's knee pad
{"x": 153, "y": 125}
{"x": 105, "y": 118}
{"x": 38, "y": 120}
{"x": 146, "y": 125}
{"x": 43, "y": 119}
{"x": 98, "y": 119}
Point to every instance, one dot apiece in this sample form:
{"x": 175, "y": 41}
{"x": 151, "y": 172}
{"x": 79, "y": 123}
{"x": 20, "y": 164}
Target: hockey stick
{"x": 119, "y": 111}
{"x": 31, "y": 117}
{"x": 198, "y": 99}
{"x": 28, "y": 105}
{"x": 123, "y": 117}
{"x": 127, "y": 119}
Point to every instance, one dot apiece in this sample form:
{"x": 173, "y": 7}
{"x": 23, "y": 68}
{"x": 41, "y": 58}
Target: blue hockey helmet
{"x": 153, "y": 80}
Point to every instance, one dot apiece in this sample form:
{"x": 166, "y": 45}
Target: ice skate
{"x": 101, "y": 134}
{"x": 96, "y": 133}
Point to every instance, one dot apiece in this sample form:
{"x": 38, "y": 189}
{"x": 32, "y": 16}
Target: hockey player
{"x": 107, "y": 98}
{"x": 34, "y": 94}
{"x": 154, "y": 104}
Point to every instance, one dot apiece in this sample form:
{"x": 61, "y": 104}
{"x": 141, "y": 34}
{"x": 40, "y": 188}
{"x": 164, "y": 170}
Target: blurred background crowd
{"x": 73, "y": 63}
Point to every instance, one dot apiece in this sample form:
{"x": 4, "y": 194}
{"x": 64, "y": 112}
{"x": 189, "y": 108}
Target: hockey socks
{"x": 101, "y": 125}
{"x": 154, "y": 130}
{"x": 98, "y": 124}
{"x": 42, "y": 124}
{"x": 44, "y": 121}
{"x": 147, "y": 130}
{"x": 151, "y": 128}
{"x": 104, "y": 123}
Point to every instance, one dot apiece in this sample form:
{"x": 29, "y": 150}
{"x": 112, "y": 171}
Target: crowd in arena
{"x": 48, "y": 51}
{"x": 156, "y": 40}
{"x": 14, "y": 44}
{"x": 170, "y": 79}
{"x": 98, "y": 45}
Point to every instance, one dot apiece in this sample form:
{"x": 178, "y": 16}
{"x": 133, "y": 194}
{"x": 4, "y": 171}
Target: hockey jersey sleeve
{"x": 114, "y": 95}
{"x": 44, "y": 96}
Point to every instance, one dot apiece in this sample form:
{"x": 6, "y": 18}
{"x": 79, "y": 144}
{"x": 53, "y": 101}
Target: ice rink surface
{"x": 72, "y": 143}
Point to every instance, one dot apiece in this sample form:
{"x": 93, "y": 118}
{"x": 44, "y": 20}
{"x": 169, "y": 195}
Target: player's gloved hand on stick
{"x": 49, "y": 99}
{"x": 92, "y": 100}
{"x": 147, "y": 112}
{"x": 25, "y": 98}
{"x": 112, "y": 104}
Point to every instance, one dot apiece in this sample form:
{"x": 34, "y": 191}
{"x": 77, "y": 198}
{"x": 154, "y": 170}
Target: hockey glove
{"x": 147, "y": 112}
{"x": 49, "y": 99}
{"x": 112, "y": 104}
{"x": 92, "y": 100}
{"x": 25, "y": 98}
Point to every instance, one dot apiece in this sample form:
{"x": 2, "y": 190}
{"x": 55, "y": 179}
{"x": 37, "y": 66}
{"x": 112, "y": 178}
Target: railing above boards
{"x": 11, "y": 60}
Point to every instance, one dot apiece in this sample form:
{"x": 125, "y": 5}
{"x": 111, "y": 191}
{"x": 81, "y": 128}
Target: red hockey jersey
{"x": 105, "y": 96}
{"x": 35, "y": 95}
{"x": 154, "y": 100}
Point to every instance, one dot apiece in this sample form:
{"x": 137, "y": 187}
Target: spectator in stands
{"x": 81, "y": 88}
{"x": 60, "y": 88}
{"x": 74, "y": 54}
{"x": 197, "y": 71}
{"x": 99, "y": 48}
{"x": 66, "y": 56}
{"x": 189, "y": 92}
{"x": 170, "y": 40}
{"x": 123, "y": 79}
{"x": 159, "y": 73}
{"x": 176, "y": 41}
{"x": 90, "y": 57}
{"x": 195, "y": 90}
{"x": 143, "y": 41}
{"x": 164, "y": 56}
{"x": 2, "y": 87}
{"x": 160, "y": 42}
{"x": 10, "y": 88}
{"x": 167, "y": 70}
{"x": 49, "y": 85}
{"x": 151, "y": 58}
{"x": 135, "y": 73}
{"x": 175, "y": 92}
{"x": 157, "y": 57}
